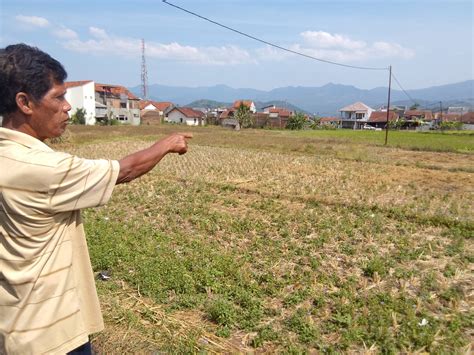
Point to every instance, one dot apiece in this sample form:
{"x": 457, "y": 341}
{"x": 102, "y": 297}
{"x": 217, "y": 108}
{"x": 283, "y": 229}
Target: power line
{"x": 271, "y": 44}
{"x": 401, "y": 87}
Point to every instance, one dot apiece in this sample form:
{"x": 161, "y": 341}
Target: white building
{"x": 185, "y": 115}
{"x": 81, "y": 94}
{"x": 103, "y": 101}
{"x": 355, "y": 115}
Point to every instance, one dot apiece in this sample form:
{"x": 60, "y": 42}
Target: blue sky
{"x": 427, "y": 42}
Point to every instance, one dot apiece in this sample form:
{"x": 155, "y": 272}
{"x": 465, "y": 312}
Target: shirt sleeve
{"x": 80, "y": 183}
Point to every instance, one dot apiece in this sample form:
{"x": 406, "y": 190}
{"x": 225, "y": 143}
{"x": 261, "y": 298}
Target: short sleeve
{"x": 80, "y": 183}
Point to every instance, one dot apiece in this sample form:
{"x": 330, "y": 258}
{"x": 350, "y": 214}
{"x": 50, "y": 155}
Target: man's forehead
{"x": 57, "y": 87}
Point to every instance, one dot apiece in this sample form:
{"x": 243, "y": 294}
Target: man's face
{"x": 50, "y": 114}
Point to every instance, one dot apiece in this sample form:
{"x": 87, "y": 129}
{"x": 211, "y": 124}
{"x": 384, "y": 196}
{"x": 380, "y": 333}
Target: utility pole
{"x": 144, "y": 73}
{"x": 388, "y": 104}
{"x": 440, "y": 112}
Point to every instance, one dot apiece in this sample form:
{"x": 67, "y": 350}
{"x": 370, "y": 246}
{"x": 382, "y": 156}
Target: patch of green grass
{"x": 300, "y": 324}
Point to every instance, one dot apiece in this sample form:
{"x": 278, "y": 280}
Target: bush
{"x": 296, "y": 122}
{"x": 79, "y": 117}
{"x": 450, "y": 126}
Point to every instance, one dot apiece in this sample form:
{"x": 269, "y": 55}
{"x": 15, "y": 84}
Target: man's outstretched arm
{"x": 141, "y": 162}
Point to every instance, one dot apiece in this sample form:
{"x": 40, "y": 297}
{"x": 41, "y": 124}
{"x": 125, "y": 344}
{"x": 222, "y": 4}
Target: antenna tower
{"x": 144, "y": 73}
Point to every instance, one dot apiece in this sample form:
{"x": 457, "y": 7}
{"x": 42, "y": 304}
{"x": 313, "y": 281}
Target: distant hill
{"x": 324, "y": 100}
{"x": 211, "y": 104}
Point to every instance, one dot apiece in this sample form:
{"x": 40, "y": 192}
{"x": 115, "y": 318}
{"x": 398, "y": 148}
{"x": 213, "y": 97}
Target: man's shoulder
{"x": 17, "y": 154}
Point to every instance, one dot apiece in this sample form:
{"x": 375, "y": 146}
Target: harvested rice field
{"x": 291, "y": 242}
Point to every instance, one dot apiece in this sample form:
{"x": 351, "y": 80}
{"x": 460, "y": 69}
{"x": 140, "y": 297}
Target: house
{"x": 186, "y": 115}
{"x": 248, "y": 103}
{"x": 458, "y": 109}
{"x": 153, "y": 112}
{"x": 103, "y": 101}
{"x": 330, "y": 121}
{"x": 355, "y": 116}
{"x": 160, "y": 106}
{"x": 467, "y": 118}
{"x": 468, "y": 121}
{"x": 120, "y": 103}
{"x": 418, "y": 115}
{"x": 378, "y": 119}
{"x": 228, "y": 120}
{"x": 278, "y": 117}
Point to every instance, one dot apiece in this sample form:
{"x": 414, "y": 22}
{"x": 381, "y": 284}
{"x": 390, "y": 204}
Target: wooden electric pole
{"x": 388, "y": 104}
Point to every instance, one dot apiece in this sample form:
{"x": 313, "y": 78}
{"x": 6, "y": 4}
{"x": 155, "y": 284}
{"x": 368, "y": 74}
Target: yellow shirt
{"x": 48, "y": 300}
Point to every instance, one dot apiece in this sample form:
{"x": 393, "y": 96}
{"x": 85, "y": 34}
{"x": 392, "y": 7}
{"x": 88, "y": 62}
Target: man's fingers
{"x": 187, "y": 135}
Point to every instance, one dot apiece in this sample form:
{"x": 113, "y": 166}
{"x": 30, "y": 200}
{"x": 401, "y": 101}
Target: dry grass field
{"x": 274, "y": 241}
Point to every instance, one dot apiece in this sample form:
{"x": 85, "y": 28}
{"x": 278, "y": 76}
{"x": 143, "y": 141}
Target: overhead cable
{"x": 272, "y": 44}
{"x": 400, "y": 85}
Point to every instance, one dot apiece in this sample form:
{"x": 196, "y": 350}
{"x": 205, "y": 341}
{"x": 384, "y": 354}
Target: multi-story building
{"x": 103, "y": 101}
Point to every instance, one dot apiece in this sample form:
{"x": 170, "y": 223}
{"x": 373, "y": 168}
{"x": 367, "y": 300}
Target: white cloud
{"x": 98, "y": 33}
{"x": 320, "y": 39}
{"x": 338, "y": 48}
{"x": 32, "y": 21}
{"x": 103, "y": 43}
{"x": 64, "y": 33}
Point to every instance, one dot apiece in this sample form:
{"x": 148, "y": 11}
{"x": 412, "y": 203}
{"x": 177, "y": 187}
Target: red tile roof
{"x": 247, "y": 103}
{"x": 115, "y": 90}
{"x": 229, "y": 112}
{"x": 160, "y": 106}
{"x": 449, "y": 117}
{"x": 468, "y": 118}
{"x": 425, "y": 114}
{"x": 189, "y": 112}
{"x": 329, "y": 119}
{"x": 72, "y": 84}
{"x": 282, "y": 112}
{"x": 457, "y": 117}
{"x": 380, "y": 116}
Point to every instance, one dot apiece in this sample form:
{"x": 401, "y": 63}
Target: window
{"x": 123, "y": 118}
{"x": 123, "y": 105}
{"x": 359, "y": 116}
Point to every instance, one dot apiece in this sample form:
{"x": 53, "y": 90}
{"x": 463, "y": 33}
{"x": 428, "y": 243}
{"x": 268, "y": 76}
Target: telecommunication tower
{"x": 144, "y": 73}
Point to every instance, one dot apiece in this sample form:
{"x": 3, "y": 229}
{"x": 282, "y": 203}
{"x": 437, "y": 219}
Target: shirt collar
{"x": 23, "y": 139}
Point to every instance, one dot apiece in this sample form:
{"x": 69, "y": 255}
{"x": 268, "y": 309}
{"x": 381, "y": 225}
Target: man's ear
{"x": 23, "y": 103}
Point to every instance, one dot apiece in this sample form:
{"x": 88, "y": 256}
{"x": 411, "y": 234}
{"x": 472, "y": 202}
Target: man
{"x": 48, "y": 300}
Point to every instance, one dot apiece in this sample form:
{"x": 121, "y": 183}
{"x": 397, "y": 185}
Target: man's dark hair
{"x": 29, "y": 70}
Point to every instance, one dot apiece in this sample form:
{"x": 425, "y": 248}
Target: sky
{"x": 427, "y": 42}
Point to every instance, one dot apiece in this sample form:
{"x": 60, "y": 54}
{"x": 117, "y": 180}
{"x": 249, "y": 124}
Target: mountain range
{"x": 323, "y": 100}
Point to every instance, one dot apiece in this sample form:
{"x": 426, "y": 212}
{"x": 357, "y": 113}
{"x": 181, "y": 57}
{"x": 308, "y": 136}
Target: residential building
{"x": 278, "y": 117}
{"x": 186, "y": 115}
{"x": 119, "y": 102}
{"x": 333, "y": 121}
{"x": 153, "y": 112}
{"x": 418, "y": 115}
{"x": 355, "y": 116}
{"x": 250, "y": 104}
{"x": 101, "y": 101}
{"x": 160, "y": 106}
{"x": 378, "y": 119}
{"x": 81, "y": 95}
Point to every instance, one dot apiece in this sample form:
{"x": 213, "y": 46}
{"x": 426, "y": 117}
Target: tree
{"x": 414, "y": 106}
{"x": 79, "y": 117}
{"x": 296, "y": 121}
{"x": 244, "y": 116}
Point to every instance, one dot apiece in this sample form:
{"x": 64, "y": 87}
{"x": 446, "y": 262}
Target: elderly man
{"x": 48, "y": 300}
